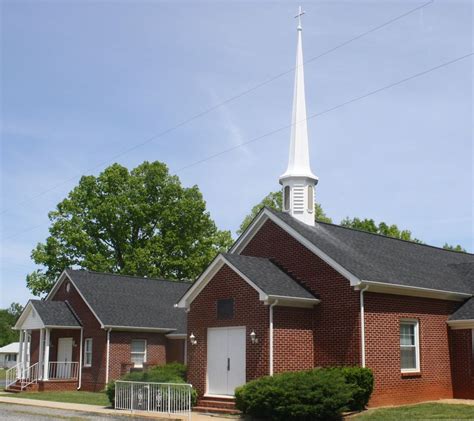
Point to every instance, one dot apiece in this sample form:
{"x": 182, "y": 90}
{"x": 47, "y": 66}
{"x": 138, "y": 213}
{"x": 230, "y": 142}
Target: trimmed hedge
{"x": 169, "y": 373}
{"x": 319, "y": 394}
{"x": 363, "y": 381}
{"x": 305, "y": 395}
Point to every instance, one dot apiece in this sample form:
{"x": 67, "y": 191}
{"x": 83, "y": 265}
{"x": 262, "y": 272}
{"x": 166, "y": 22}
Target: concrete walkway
{"x": 96, "y": 409}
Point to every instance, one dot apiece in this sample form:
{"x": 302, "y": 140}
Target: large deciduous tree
{"x": 274, "y": 200}
{"x": 139, "y": 222}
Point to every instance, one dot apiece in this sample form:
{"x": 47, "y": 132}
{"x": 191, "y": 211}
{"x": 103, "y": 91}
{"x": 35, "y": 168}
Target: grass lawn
{"x": 88, "y": 398}
{"x": 425, "y": 411}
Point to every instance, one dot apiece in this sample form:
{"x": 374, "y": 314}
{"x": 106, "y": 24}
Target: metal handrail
{"x": 11, "y": 375}
{"x": 63, "y": 370}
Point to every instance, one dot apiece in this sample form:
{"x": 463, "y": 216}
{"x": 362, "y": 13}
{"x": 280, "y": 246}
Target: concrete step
{"x": 205, "y": 409}
{"x": 208, "y": 403}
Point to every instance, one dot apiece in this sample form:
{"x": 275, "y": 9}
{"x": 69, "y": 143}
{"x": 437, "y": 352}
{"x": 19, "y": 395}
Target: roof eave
{"x": 140, "y": 328}
{"x": 397, "y": 289}
{"x": 288, "y": 301}
{"x": 461, "y": 324}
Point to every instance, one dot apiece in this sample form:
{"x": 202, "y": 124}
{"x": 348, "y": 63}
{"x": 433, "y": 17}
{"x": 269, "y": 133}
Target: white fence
{"x": 165, "y": 398}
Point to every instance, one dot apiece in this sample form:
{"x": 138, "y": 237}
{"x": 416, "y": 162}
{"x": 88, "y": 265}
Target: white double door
{"x": 225, "y": 360}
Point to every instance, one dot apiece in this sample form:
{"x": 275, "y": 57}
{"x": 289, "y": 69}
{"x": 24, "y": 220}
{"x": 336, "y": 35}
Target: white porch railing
{"x": 166, "y": 398}
{"x": 12, "y": 375}
{"x": 25, "y": 375}
{"x": 62, "y": 370}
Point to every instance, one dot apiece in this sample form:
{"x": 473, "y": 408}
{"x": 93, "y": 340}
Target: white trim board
{"x": 265, "y": 215}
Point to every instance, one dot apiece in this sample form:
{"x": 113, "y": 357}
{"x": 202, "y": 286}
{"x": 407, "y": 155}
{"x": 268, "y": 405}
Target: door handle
{"x": 228, "y": 364}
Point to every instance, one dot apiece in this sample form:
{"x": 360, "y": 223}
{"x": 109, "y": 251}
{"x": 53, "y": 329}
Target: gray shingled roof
{"x": 372, "y": 257}
{"x": 267, "y": 276}
{"x": 55, "y": 313}
{"x": 465, "y": 312}
{"x": 132, "y": 301}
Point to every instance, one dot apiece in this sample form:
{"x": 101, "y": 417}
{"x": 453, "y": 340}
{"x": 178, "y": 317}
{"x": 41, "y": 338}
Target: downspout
{"x": 80, "y": 359}
{"x": 362, "y": 324}
{"x": 107, "y": 357}
{"x": 271, "y": 336}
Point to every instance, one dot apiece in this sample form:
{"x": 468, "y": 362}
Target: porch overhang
{"x": 47, "y": 315}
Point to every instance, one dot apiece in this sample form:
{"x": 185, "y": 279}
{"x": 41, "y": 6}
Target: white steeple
{"x": 298, "y": 180}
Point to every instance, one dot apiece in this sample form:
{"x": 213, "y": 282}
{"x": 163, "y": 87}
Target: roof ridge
{"x": 188, "y": 281}
{"x": 375, "y": 234}
{"x": 393, "y": 238}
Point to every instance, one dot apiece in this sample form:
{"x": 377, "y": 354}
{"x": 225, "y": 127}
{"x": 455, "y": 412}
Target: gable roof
{"x": 371, "y": 258}
{"x": 55, "y": 313}
{"x": 131, "y": 302}
{"x": 272, "y": 284}
{"x": 268, "y": 277}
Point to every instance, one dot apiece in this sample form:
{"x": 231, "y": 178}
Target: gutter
{"x": 80, "y": 360}
{"x": 362, "y": 325}
{"x": 271, "y": 336}
{"x": 107, "y": 357}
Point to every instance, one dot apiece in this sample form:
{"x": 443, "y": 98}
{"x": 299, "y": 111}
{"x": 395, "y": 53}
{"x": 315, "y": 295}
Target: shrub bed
{"x": 169, "y": 373}
{"x": 319, "y": 394}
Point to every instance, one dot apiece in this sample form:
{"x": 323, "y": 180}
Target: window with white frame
{"x": 138, "y": 352}
{"x": 409, "y": 346}
{"x": 87, "y": 352}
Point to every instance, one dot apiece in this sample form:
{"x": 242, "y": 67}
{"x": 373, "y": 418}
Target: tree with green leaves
{"x": 274, "y": 200}
{"x": 382, "y": 228}
{"x": 140, "y": 222}
{"x": 457, "y": 247}
{"x": 8, "y": 318}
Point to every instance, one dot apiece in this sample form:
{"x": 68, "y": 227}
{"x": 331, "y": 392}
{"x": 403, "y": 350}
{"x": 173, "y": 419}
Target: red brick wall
{"x": 248, "y": 311}
{"x": 93, "y": 378}
{"x": 120, "y": 351}
{"x": 383, "y": 315}
{"x": 293, "y": 339}
{"x": 336, "y": 319}
{"x": 462, "y": 363}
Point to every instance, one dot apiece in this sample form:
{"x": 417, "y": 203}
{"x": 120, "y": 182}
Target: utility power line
{"x": 326, "y": 111}
{"x": 216, "y": 106}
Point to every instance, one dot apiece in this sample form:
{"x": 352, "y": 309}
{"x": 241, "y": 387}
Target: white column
{"x": 20, "y": 351}
{"x": 41, "y": 353}
{"x": 46, "y": 355}
{"x": 25, "y": 349}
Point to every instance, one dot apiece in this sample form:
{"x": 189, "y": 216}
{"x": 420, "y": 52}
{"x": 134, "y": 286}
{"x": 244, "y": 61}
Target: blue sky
{"x": 83, "y": 81}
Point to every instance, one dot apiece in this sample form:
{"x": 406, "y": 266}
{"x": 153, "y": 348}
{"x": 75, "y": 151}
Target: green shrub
{"x": 363, "y": 381}
{"x": 169, "y": 373}
{"x": 306, "y": 395}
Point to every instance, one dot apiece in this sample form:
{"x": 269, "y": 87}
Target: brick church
{"x": 294, "y": 293}
{"x": 291, "y": 294}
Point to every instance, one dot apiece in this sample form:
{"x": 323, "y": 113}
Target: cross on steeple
{"x": 301, "y": 12}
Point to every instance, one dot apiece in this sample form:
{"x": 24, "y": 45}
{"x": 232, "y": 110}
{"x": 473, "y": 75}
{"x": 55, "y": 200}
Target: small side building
{"x": 9, "y": 355}
{"x": 95, "y": 327}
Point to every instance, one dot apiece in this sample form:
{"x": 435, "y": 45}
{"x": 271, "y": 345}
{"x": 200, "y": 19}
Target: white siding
{"x": 32, "y": 320}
